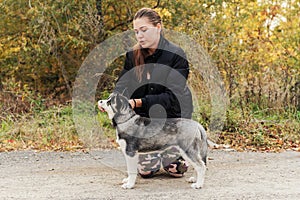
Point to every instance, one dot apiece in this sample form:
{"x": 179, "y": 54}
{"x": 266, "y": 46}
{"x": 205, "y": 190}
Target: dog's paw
{"x": 196, "y": 186}
{"x": 127, "y": 186}
{"x": 125, "y": 180}
{"x": 192, "y": 180}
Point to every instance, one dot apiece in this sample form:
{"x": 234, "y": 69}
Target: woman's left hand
{"x": 131, "y": 102}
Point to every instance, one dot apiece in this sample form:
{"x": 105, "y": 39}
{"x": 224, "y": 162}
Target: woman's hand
{"x": 132, "y": 103}
{"x": 135, "y": 103}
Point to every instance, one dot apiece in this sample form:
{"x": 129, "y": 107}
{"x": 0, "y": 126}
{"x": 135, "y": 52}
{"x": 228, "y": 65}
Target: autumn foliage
{"x": 254, "y": 44}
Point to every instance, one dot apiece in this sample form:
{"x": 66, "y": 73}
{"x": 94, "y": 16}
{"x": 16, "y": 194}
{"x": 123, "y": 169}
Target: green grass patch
{"x": 54, "y": 130}
{"x": 51, "y": 129}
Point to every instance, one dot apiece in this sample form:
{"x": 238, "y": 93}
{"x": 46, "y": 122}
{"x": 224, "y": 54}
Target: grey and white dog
{"x": 136, "y": 134}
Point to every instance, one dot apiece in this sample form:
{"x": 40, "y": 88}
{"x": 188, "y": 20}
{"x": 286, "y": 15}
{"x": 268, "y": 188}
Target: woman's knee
{"x": 177, "y": 168}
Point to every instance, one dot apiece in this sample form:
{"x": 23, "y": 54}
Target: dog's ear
{"x": 123, "y": 93}
{"x": 118, "y": 101}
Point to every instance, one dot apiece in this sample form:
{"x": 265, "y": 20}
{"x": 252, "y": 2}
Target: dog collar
{"x": 115, "y": 124}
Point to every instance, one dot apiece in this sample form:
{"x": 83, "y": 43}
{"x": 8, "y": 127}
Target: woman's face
{"x": 146, "y": 33}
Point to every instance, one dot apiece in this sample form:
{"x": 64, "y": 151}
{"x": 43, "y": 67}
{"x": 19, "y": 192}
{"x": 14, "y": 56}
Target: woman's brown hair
{"x": 139, "y": 53}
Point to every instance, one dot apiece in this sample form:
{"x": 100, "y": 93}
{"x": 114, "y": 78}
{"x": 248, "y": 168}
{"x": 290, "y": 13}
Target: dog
{"x": 136, "y": 134}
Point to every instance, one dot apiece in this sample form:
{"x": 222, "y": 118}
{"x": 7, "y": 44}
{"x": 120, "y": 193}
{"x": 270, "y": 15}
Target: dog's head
{"x": 115, "y": 104}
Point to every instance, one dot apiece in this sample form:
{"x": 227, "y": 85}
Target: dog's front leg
{"x": 131, "y": 170}
{"x": 131, "y": 162}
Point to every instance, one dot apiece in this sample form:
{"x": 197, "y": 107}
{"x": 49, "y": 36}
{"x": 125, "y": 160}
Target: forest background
{"x": 254, "y": 44}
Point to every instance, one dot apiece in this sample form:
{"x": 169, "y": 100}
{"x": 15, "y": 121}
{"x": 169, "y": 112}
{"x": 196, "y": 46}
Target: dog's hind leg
{"x": 195, "y": 160}
{"x": 200, "y": 169}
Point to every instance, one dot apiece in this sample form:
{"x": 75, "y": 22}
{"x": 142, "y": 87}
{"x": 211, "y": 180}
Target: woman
{"x": 154, "y": 79}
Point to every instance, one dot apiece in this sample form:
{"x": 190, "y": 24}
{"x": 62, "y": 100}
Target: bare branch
{"x": 157, "y": 4}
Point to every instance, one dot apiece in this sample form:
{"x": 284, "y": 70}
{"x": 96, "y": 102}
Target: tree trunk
{"x": 100, "y": 19}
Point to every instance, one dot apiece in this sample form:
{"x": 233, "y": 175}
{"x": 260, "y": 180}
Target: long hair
{"x": 139, "y": 53}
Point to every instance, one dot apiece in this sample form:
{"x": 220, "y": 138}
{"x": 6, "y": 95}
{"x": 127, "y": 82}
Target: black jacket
{"x": 165, "y": 94}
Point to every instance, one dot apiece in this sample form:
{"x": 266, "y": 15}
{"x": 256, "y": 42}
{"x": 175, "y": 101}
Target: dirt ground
{"x": 98, "y": 175}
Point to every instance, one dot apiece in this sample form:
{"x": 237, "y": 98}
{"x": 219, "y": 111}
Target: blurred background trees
{"x": 254, "y": 44}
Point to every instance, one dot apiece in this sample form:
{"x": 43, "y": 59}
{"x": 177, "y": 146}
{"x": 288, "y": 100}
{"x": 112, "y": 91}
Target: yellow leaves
{"x": 13, "y": 50}
{"x": 255, "y": 136}
{"x": 292, "y": 52}
{"x": 163, "y": 12}
{"x": 9, "y": 52}
{"x": 13, "y": 145}
{"x": 8, "y": 141}
{"x": 9, "y": 145}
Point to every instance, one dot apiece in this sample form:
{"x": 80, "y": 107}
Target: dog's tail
{"x": 212, "y": 144}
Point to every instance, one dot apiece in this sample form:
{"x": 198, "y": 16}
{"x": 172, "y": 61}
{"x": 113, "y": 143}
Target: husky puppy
{"x": 136, "y": 134}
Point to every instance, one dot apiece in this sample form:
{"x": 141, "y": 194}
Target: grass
{"x": 271, "y": 130}
{"x": 52, "y": 129}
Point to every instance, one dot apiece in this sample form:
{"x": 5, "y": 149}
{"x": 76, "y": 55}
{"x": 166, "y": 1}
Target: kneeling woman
{"x": 154, "y": 79}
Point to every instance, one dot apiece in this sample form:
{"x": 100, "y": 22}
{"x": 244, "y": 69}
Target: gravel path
{"x": 98, "y": 175}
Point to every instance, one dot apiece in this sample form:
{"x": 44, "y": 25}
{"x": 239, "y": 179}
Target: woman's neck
{"x": 154, "y": 47}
